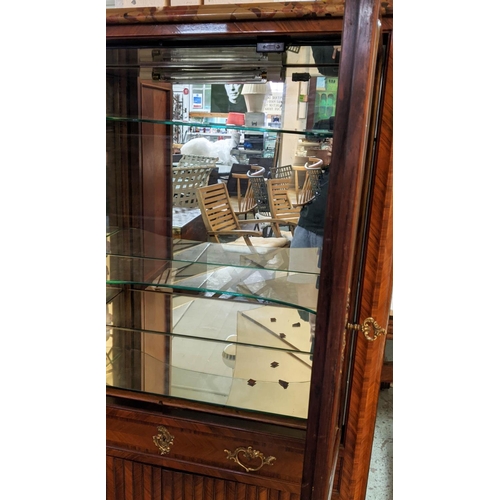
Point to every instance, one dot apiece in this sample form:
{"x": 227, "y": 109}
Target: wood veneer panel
{"x": 386, "y": 376}
{"x": 219, "y": 490}
{"x": 375, "y": 302}
{"x": 167, "y": 488}
{"x": 198, "y": 487}
{"x": 122, "y": 147}
{"x": 220, "y": 31}
{"x": 390, "y": 327}
{"x": 110, "y": 477}
{"x": 213, "y": 13}
{"x": 130, "y": 479}
{"x": 156, "y": 104}
{"x": 247, "y": 420}
{"x": 359, "y": 44}
{"x": 199, "y": 448}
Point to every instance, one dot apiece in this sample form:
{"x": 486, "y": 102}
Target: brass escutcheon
{"x": 250, "y": 454}
{"x": 369, "y": 325}
{"x": 163, "y": 440}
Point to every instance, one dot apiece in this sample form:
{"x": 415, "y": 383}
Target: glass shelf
{"x": 225, "y": 373}
{"x": 318, "y": 133}
{"x": 111, "y": 293}
{"x": 130, "y": 243}
{"x": 254, "y": 283}
{"x": 254, "y": 324}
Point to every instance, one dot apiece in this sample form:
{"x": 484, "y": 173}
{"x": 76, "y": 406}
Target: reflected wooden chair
{"x": 269, "y": 203}
{"x": 259, "y": 187}
{"x": 245, "y": 203}
{"x": 192, "y": 172}
{"x": 281, "y": 172}
{"x": 280, "y": 204}
{"x": 222, "y": 224}
{"x": 313, "y": 169}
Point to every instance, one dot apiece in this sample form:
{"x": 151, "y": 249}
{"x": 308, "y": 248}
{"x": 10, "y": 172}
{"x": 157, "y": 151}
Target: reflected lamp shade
{"x": 255, "y": 95}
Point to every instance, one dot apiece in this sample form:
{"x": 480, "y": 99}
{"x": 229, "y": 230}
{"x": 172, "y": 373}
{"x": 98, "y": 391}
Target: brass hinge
{"x": 370, "y": 328}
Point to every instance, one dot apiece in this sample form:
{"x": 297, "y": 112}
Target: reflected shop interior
{"x": 212, "y": 153}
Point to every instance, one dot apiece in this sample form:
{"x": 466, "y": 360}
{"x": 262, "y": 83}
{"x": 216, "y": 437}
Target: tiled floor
{"x": 380, "y": 477}
{"x": 381, "y": 474}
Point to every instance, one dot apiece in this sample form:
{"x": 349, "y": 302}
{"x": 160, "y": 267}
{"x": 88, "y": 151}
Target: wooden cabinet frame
{"x": 358, "y": 231}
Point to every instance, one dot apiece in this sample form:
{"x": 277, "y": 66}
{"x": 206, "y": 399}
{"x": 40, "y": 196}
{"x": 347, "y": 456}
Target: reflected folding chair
{"x": 222, "y": 223}
{"x": 280, "y": 204}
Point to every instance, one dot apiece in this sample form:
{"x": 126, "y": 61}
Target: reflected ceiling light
{"x": 212, "y": 65}
{"x": 175, "y": 75}
{"x": 207, "y": 56}
{"x": 214, "y": 61}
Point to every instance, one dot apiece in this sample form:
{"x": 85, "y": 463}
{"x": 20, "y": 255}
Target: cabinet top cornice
{"x": 233, "y": 12}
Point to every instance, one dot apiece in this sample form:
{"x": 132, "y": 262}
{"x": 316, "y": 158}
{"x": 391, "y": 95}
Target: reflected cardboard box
{"x": 140, "y": 3}
{"x": 175, "y": 3}
{"x": 228, "y": 2}
{"x": 219, "y": 2}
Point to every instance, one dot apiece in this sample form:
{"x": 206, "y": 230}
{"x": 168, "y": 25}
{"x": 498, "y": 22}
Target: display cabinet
{"x": 237, "y": 371}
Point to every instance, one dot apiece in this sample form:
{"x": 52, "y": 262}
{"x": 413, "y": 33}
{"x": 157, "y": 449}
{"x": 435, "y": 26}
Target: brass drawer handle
{"x": 164, "y": 440}
{"x": 250, "y": 454}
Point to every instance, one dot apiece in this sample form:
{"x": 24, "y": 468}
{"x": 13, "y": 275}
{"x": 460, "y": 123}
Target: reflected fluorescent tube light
{"x": 209, "y": 55}
{"x": 226, "y": 76}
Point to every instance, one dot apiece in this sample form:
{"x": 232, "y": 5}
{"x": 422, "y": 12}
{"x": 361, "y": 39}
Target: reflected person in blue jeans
{"x": 311, "y": 224}
{"x": 309, "y": 234}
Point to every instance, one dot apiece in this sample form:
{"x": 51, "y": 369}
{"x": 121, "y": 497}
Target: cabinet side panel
{"x": 375, "y": 302}
{"x": 360, "y": 39}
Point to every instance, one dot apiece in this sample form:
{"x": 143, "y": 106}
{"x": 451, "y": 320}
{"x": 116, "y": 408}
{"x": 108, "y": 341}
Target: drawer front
{"x": 207, "y": 448}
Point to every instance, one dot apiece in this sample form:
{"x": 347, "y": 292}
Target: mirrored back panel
{"x": 214, "y": 154}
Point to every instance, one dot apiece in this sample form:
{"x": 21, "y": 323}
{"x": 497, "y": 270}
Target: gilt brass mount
{"x": 250, "y": 454}
{"x": 163, "y": 440}
{"x": 370, "y": 328}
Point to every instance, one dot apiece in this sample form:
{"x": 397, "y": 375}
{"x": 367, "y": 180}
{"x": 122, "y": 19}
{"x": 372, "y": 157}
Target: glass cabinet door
{"x": 189, "y": 316}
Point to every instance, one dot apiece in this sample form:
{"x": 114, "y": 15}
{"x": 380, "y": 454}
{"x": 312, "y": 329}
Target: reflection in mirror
{"x": 217, "y": 173}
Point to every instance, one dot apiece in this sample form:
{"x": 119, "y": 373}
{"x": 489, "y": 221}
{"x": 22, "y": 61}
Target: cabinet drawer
{"x": 224, "y": 451}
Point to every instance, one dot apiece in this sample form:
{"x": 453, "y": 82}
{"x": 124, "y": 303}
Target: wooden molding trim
{"x": 233, "y": 12}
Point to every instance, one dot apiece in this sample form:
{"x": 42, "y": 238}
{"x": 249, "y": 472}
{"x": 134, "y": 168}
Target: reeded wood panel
{"x": 129, "y": 480}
